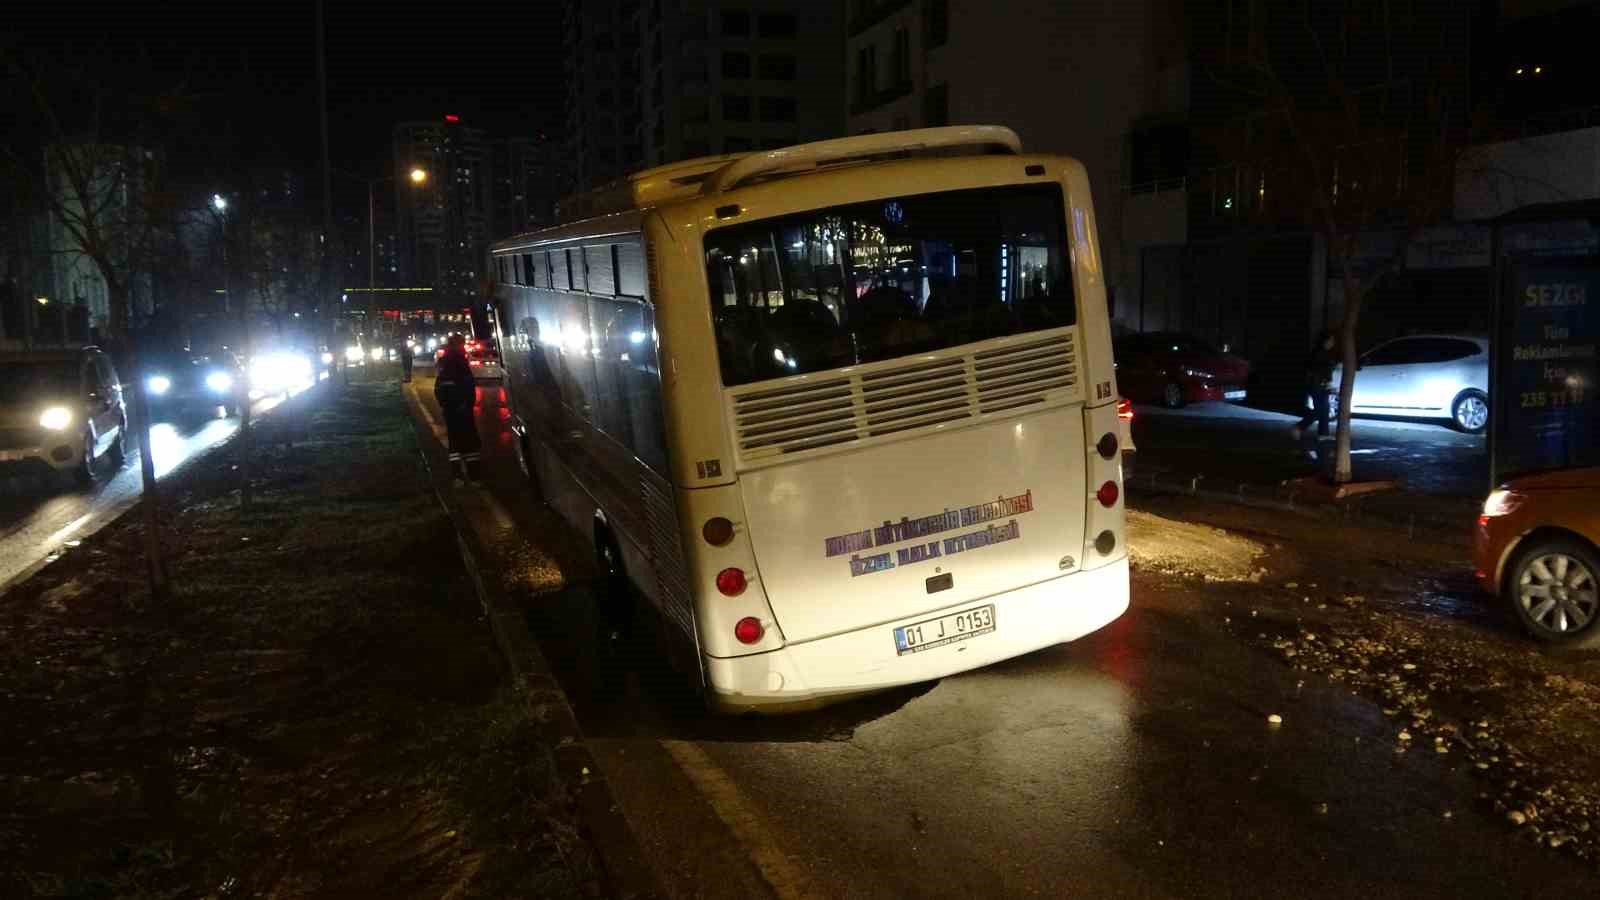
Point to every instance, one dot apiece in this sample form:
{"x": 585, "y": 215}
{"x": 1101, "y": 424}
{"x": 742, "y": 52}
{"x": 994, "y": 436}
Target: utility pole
{"x": 246, "y": 437}
{"x": 324, "y": 294}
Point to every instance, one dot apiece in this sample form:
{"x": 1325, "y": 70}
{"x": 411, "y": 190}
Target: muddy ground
{"x": 316, "y": 711}
{"x": 1394, "y": 616}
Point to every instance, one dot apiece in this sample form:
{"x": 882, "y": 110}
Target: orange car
{"x": 1536, "y": 544}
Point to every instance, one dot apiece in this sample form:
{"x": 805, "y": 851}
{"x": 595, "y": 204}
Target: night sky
{"x": 252, "y": 68}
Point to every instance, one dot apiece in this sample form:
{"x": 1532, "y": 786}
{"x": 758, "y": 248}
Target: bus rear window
{"x": 888, "y": 278}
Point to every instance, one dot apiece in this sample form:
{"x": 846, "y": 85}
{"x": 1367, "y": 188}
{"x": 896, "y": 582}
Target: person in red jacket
{"x": 456, "y": 390}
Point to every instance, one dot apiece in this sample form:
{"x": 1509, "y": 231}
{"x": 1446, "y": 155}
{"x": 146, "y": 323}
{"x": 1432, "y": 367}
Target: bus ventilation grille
{"x": 893, "y": 398}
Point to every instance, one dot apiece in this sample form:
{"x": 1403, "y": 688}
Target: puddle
{"x": 1456, "y": 597}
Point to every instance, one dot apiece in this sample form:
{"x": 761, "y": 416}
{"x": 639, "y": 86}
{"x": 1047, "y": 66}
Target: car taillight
{"x": 717, "y": 532}
{"x": 1125, "y": 409}
{"x": 731, "y": 582}
{"x": 1108, "y": 493}
{"x": 748, "y": 630}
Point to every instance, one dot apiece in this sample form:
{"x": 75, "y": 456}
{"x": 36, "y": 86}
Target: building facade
{"x": 526, "y": 180}
{"x": 651, "y": 82}
{"x": 443, "y": 223}
{"x": 1080, "y": 79}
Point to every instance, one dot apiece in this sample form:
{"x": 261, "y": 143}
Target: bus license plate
{"x": 944, "y": 630}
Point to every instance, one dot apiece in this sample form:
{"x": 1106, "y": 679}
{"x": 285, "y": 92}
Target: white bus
{"x": 844, "y": 413}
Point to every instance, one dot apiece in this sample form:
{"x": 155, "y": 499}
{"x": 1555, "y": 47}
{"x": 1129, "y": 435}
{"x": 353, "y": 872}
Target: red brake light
{"x": 748, "y": 630}
{"x": 731, "y": 582}
{"x": 1125, "y": 409}
{"x": 1108, "y": 493}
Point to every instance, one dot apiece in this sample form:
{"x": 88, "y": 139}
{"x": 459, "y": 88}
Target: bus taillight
{"x": 1107, "y": 495}
{"x": 1107, "y": 447}
{"x": 717, "y": 531}
{"x": 731, "y": 582}
{"x": 748, "y": 629}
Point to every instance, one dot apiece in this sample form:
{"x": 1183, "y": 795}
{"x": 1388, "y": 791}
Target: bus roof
{"x": 715, "y": 174}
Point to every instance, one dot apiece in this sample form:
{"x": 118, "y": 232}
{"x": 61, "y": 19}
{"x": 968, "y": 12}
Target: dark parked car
{"x": 1174, "y": 369}
{"x": 184, "y": 381}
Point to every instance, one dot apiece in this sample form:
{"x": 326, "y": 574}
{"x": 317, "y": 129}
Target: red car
{"x": 1174, "y": 369}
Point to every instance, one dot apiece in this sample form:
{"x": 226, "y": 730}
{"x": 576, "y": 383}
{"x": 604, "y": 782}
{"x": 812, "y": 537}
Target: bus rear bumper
{"x": 814, "y": 673}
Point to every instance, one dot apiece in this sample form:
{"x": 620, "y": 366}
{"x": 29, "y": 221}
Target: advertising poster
{"x": 1545, "y": 413}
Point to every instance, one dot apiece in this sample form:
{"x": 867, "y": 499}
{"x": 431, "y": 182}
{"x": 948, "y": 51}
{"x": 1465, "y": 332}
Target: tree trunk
{"x": 1347, "y": 381}
{"x": 117, "y": 319}
{"x": 154, "y": 561}
{"x": 246, "y": 433}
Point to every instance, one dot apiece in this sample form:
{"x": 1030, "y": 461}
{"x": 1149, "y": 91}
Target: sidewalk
{"x": 1237, "y": 453}
{"x": 319, "y": 710}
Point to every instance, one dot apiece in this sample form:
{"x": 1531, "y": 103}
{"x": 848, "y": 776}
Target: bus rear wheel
{"x": 616, "y": 602}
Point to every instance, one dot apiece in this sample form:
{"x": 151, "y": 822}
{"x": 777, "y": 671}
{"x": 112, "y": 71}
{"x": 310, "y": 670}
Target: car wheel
{"x": 83, "y": 474}
{"x": 1172, "y": 395}
{"x": 119, "y": 450}
{"x": 1470, "y": 412}
{"x": 1554, "y": 588}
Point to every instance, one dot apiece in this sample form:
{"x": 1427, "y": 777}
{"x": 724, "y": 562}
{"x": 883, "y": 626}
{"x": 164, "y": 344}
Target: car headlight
{"x": 377, "y": 354}
{"x": 55, "y": 418}
{"x": 158, "y": 384}
{"x": 219, "y": 382}
{"x": 327, "y": 358}
{"x": 1501, "y": 503}
{"x": 352, "y": 353}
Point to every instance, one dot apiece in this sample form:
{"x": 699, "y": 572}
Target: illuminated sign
{"x": 1543, "y": 400}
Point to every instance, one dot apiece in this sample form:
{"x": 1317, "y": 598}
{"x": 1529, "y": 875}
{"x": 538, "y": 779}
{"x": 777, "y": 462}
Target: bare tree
{"x": 1361, "y": 118}
{"x": 91, "y": 158}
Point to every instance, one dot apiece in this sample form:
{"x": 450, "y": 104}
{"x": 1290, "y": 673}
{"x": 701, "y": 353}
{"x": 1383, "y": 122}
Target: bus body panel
{"x": 1028, "y": 619}
{"x": 585, "y": 392}
{"x": 1017, "y": 489}
{"x": 903, "y": 527}
{"x": 675, "y": 234}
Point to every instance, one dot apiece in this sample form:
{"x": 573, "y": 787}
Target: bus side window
{"x": 642, "y": 387}
{"x": 575, "y": 369}
{"x": 610, "y": 342}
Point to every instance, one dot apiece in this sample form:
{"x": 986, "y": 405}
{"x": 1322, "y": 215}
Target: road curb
{"x": 1285, "y": 498}
{"x": 624, "y": 873}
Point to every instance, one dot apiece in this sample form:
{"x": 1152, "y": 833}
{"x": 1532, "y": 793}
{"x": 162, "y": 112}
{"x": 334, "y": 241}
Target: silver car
{"x": 1433, "y": 376}
{"x": 61, "y": 411}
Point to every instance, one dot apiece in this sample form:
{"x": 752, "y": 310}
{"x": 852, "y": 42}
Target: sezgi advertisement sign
{"x": 1545, "y": 413}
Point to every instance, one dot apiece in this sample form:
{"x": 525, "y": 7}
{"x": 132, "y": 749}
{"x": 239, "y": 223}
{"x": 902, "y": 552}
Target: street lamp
{"x": 220, "y": 204}
{"x": 419, "y": 176}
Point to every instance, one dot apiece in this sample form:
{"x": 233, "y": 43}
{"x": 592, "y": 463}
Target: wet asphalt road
{"x": 1137, "y": 762}
{"x": 1229, "y": 443}
{"x": 42, "y": 516}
